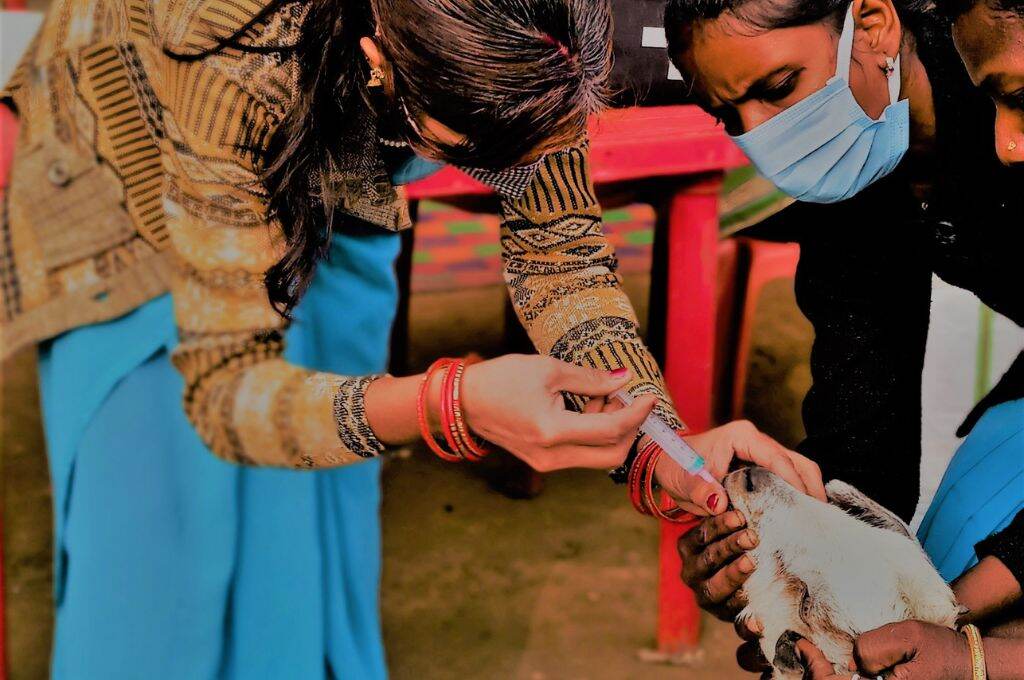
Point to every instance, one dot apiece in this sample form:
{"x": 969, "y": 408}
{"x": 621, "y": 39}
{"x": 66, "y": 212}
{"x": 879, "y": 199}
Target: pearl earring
{"x": 890, "y": 66}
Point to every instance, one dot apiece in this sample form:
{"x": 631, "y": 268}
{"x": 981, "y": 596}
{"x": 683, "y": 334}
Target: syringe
{"x": 676, "y": 448}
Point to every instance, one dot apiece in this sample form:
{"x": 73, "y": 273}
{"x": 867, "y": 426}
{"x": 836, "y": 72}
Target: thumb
{"x": 818, "y": 667}
{"x": 694, "y": 493}
{"x": 590, "y": 382}
{"x": 878, "y": 650}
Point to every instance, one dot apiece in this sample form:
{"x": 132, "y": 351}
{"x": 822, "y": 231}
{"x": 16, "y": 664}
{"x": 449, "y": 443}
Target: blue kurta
{"x": 981, "y": 492}
{"x": 171, "y": 563}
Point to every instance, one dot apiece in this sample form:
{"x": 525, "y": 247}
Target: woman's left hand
{"x": 914, "y": 650}
{"x": 738, "y": 439}
{"x": 909, "y": 650}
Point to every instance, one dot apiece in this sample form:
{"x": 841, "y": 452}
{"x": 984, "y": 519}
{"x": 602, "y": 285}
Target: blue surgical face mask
{"x": 825, "y": 148}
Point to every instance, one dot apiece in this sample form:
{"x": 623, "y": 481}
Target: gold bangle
{"x": 977, "y": 651}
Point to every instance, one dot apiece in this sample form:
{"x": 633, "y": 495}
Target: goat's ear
{"x": 854, "y": 503}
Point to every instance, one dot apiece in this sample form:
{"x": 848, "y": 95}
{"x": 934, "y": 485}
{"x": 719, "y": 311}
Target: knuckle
{"x": 719, "y": 524}
{"x": 683, "y": 545}
{"x": 734, "y": 576}
{"x": 687, "y": 576}
{"x": 705, "y": 532}
{"x": 706, "y": 561}
{"x": 704, "y": 593}
{"x": 745, "y": 426}
{"x": 544, "y": 436}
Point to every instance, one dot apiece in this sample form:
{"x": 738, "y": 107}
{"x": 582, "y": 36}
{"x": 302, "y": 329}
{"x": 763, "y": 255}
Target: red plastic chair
{"x": 766, "y": 262}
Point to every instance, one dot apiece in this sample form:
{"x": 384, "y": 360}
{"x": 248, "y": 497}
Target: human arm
{"x": 915, "y": 650}
{"x": 994, "y": 584}
{"x": 561, "y": 274}
{"x": 249, "y": 404}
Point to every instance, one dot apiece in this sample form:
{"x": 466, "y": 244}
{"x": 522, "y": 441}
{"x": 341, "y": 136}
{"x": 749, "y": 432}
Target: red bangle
{"x": 672, "y": 513}
{"x": 636, "y": 478}
{"x": 455, "y": 433}
{"x": 448, "y": 428}
{"x": 641, "y": 487}
{"x": 421, "y": 412}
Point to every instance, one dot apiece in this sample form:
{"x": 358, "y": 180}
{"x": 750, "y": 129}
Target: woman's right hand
{"x": 516, "y": 403}
{"x": 715, "y": 565}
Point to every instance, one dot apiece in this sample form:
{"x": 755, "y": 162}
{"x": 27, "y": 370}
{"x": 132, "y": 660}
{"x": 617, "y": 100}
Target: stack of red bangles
{"x": 641, "y": 486}
{"x": 461, "y": 444}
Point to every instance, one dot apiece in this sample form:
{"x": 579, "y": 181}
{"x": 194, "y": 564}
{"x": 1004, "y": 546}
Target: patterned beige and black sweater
{"x": 132, "y": 177}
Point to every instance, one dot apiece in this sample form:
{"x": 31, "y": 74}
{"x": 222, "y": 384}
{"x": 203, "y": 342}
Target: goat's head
{"x": 829, "y": 572}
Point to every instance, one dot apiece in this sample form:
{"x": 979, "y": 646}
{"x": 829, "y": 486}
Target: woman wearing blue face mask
{"x": 863, "y": 111}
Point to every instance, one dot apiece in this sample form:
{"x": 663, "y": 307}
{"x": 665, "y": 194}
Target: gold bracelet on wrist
{"x": 977, "y": 651}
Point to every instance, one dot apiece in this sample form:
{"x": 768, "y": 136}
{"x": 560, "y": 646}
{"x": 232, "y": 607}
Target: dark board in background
{"x": 641, "y": 74}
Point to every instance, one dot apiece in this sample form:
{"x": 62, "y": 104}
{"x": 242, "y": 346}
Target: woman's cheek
{"x": 1009, "y": 135}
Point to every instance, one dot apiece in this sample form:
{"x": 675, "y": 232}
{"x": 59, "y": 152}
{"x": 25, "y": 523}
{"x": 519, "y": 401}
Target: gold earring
{"x": 1011, "y": 146}
{"x": 376, "y": 77}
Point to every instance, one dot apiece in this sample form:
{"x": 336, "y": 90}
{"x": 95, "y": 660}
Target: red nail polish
{"x": 713, "y": 501}
{"x": 619, "y": 372}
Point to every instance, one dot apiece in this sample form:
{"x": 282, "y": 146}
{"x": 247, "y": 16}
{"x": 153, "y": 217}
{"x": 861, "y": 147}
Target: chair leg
{"x": 692, "y": 220}
{"x": 768, "y": 261}
{"x": 727, "y": 312}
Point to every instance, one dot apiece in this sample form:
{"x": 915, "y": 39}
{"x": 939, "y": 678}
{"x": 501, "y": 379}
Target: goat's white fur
{"x": 830, "y": 572}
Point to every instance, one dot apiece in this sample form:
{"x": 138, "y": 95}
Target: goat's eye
{"x": 806, "y": 606}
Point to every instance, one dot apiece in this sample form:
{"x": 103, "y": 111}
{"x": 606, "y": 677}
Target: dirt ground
{"x": 475, "y": 585}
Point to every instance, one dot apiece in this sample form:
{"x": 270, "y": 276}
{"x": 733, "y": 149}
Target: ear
{"x": 372, "y": 52}
{"x": 857, "y": 505}
{"x": 881, "y": 25}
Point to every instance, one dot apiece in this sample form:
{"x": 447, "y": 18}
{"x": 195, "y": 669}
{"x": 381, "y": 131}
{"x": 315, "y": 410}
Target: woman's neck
{"x": 916, "y": 87}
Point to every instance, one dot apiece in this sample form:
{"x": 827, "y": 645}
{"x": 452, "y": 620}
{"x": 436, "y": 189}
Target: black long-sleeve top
{"x": 864, "y": 282}
{"x": 1007, "y": 546}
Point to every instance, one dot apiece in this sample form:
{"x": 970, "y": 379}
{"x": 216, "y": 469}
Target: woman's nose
{"x": 752, "y": 114}
{"x": 1009, "y": 136}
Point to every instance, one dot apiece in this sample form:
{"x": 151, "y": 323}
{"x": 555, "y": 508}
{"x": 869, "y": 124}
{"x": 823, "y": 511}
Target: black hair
{"x": 953, "y": 9}
{"x": 512, "y": 76}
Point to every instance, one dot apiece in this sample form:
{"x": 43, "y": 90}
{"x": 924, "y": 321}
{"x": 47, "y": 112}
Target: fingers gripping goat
{"x": 829, "y": 572}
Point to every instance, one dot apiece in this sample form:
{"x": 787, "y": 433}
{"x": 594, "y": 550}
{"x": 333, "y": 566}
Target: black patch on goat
{"x": 786, "y": 657}
{"x": 855, "y": 504}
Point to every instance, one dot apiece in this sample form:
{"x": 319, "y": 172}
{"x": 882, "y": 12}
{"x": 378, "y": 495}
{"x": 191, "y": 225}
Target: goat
{"x": 829, "y": 572}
